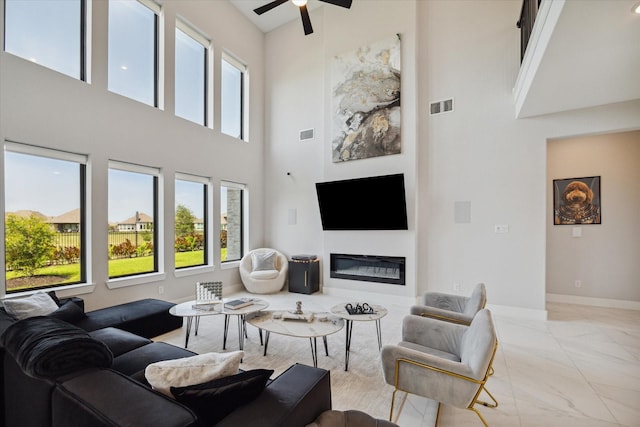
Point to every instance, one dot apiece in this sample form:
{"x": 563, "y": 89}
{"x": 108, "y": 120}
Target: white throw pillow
{"x": 263, "y": 261}
{"x": 37, "y": 304}
{"x": 192, "y": 370}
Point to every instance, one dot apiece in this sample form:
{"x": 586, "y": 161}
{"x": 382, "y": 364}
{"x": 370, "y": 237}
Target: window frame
{"x": 244, "y": 94}
{"x": 198, "y": 37}
{"x": 208, "y": 231}
{"x": 158, "y": 224}
{"x": 82, "y": 160}
{"x": 244, "y": 221}
{"x": 84, "y": 17}
{"x": 156, "y": 9}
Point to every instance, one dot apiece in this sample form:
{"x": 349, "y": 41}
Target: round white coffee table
{"x": 257, "y": 305}
{"x": 340, "y": 310}
{"x": 187, "y": 310}
{"x": 265, "y": 320}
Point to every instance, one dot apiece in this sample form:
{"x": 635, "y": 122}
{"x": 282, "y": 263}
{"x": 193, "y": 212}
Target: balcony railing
{"x": 525, "y": 23}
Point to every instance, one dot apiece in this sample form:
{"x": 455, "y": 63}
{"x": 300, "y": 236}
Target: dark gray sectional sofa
{"x": 108, "y": 387}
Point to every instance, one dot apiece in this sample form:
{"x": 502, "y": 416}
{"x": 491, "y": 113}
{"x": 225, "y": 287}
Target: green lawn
{"x": 70, "y": 273}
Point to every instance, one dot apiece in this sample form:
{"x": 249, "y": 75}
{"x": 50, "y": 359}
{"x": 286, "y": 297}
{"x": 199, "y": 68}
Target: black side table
{"x": 304, "y": 276}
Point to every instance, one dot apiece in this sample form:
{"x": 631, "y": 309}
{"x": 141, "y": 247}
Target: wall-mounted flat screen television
{"x": 372, "y": 203}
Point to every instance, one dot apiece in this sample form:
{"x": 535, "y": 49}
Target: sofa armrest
{"x": 294, "y": 399}
{"x": 118, "y": 401}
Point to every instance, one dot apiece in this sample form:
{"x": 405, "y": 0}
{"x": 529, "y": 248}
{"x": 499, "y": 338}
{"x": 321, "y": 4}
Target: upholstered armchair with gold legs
{"x": 443, "y": 361}
{"x": 452, "y": 308}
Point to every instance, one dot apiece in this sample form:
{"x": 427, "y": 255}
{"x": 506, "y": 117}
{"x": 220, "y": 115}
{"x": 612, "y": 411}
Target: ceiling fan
{"x": 304, "y": 13}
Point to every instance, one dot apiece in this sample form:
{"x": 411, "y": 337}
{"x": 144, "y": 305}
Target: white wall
{"x": 298, "y": 97}
{"x": 480, "y": 153}
{"x": 605, "y": 258}
{"x": 41, "y": 107}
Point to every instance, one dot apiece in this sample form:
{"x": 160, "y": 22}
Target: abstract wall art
{"x": 365, "y": 90}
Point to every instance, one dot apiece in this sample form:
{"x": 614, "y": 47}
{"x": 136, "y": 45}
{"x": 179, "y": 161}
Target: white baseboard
{"x": 596, "y": 302}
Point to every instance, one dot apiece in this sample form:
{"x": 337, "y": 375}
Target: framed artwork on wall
{"x": 576, "y": 201}
{"x": 366, "y": 102}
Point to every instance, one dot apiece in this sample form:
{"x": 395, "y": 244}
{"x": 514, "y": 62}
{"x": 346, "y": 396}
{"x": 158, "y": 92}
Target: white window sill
{"x": 229, "y": 265}
{"x": 192, "y": 271}
{"x": 61, "y": 291}
{"x": 122, "y": 282}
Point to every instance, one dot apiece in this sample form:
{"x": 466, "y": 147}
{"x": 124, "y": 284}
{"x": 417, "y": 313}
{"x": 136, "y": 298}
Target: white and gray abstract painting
{"x": 366, "y": 102}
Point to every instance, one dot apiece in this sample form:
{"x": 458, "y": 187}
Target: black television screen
{"x": 373, "y": 203}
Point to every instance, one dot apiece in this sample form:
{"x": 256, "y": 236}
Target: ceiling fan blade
{"x": 341, "y": 3}
{"x": 306, "y": 21}
{"x": 267, "y": 7}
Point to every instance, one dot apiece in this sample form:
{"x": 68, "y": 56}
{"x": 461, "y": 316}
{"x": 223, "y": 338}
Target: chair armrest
{"x": 443, "y": 336}
{"x": 445, "y": 301}
{"x": 440, "y": 314}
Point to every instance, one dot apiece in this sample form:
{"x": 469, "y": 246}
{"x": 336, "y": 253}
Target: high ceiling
{"x": 587, "y": 53}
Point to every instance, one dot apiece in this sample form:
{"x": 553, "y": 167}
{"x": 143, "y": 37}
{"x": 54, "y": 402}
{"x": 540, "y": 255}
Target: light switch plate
{"x": 576, "y": 232}
{"x": 501, "y": 228}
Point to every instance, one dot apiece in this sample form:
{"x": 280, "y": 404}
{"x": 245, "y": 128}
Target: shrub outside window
{"x": 132, "y": 213}
{"x": 45, "y": 233}
{"x": 50, "y": 33}
{"x": 191, "y": 243}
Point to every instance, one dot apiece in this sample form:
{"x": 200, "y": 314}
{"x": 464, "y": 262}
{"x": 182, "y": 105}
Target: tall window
{"x": 133, "y": 209}
{"x": 191, "y": 245}
{"x": 232, "y": 219}
{"x": 233, "y": 94}
{"x": 45, "y": 238}
{"x": 191, "y": 75}
{"x": 48, "y": 32}
{"x": 133, "y": 49}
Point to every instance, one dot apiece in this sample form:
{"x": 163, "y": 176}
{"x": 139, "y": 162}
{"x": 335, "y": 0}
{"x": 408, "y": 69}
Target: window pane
{"x": 190, "y": 78}
{"x": 190, "y": 236}
{"x": 132, "y": 248}
{"x": 47, "y": 32}
{"x": 231, "y": 100}
{"x": 231, "y": 223}
{"x": 132, "y": 56}
{"x": 43, "y": 222}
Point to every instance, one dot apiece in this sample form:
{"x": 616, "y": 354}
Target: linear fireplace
{"x": 368, "y": 268}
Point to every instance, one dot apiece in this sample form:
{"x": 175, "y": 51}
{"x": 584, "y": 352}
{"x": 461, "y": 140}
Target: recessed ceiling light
{"x": 124, "y": 67}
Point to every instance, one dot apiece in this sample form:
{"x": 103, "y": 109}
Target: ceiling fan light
{"x": 299, "y": 3}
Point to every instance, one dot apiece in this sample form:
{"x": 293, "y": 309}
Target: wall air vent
{"x": 306, "y": 134}
{"x": 438, "y": 107}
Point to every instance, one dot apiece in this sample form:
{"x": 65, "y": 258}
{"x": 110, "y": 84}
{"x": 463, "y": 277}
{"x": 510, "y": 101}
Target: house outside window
{"x": 232, "y": 220}
{"x": 132, "y": 213}
{"x": 191, "y": 74}
{"x": 233, "y": 97}
{"x": 45, "y": 232}
{"x": 133, "y": 50}
{"x": 191, "y": 232}
{"x": 50, "y": 33}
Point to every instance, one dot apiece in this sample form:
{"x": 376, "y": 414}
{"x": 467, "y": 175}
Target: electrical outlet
{"x": 578, "y": 283}
{"x": 456, "y": 287}
{"x": 161, "y": 290}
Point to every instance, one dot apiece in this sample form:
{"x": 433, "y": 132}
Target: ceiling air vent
{"x": 306, "y": 134}
{"x": 438, "y": 107}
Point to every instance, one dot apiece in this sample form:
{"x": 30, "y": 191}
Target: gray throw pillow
{"x": 261, "y": 261}
{"x": 37, "y": 304}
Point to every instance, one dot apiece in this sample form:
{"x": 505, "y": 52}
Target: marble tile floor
{"x": 581, "y": 367}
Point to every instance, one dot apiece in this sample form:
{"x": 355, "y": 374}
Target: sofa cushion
{"x": 214, "y": 400}
{"x": 69, "y": 312}
{"x": 119, "y": 341}
{"x": 134, "y": 362}
{"x": 49, "y": 347}
{"x": 192, "y": 370}
{"x": 37, "y": 304}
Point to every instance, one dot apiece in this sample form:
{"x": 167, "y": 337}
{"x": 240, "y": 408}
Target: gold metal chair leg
{"x": 488, "y": 405}
{"x": 393, "y": 399}
{"x": 480, "y": 416}
{"x": 491, "y": 371}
